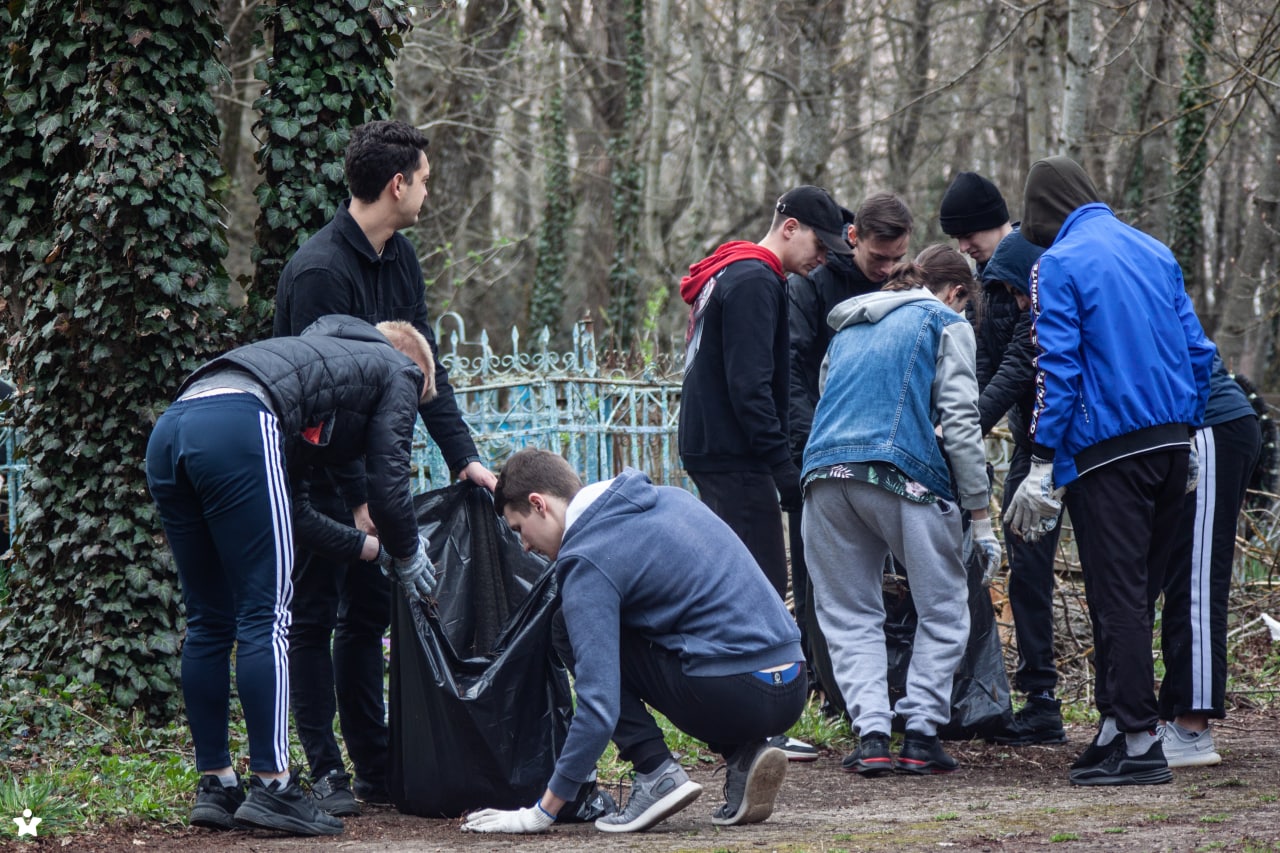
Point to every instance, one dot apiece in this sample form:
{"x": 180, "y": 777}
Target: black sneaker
{"x": 332, "y": 793}
{"x": 1118, "y": 767}
{"x": 1038, "y": 721}
{"x": 284, "y": 806}
{"x": 373, "y": 793}
{"x": 871, "y": 758}
{"x": 923, "y": 755}
{"x": 593, "y": 803}
{"x": 794, "y": 749}
{"x": 216, "y": 804}
{"x": 1095, "y": 752}
{"x": 752, "y": 780}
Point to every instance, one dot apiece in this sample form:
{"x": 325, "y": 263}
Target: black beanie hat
{"x": 972, "y": 203}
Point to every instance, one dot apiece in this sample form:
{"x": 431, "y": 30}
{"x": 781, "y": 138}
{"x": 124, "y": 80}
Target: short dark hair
{"x": 532, "y": 470}
{"x": 883, "y": 216}
{"x": 936, "y": 268}
{"x": 377, "y": 152}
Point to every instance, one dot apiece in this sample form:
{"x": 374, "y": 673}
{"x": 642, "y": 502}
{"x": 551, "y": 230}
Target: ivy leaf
{"x": 347, "y": 27}
{"x": 286, "y": 128}
{"x": 64, "y": 76}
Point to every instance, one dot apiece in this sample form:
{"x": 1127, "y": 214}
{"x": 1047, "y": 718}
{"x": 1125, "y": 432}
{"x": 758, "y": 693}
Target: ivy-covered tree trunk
{"x": 627, "y": 182}
{"x": 328, "y": 73}
{"x": 113, "y": 288}
{"x": 546, "y": 301}
{"x": 1193, "y": 154}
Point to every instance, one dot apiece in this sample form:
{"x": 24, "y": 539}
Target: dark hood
{"x": 1012, "y": 261}
{"x": 1056, "y": 186}
{"x": 345, "y": 326}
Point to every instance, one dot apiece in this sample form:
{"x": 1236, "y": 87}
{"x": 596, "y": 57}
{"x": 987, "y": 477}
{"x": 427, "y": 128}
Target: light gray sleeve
{"x": 955, "y": 398}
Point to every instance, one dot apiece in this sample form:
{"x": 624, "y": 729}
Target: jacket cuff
{"x": 1040, "y": 451}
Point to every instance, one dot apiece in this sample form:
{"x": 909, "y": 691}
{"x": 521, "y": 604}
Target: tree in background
{"x": 113, "y": 290}
{"x": 328, "y": 72}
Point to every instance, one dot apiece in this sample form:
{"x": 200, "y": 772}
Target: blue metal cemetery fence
{"x": 600, "y": 418}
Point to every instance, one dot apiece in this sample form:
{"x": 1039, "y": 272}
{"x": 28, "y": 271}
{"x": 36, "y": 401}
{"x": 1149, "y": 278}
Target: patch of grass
{"x": 1212, "y": 845}
{"x": 946, "y": 816}
{"x": 1064, "y": 836}
{"x": 1215, "y": 818}
{"x": 1157, "y": 816}
{"x": 843, "y": 836}
{"x": 1081, "y": 713}
{"x": 1267, "y": 798}
{"x": 1233, "y": 782}
{"x": 46, "y": 797}
{"x": 1115, "y": 830}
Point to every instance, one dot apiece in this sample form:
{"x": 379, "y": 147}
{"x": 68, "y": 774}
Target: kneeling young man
{"x": 663, "y": 605}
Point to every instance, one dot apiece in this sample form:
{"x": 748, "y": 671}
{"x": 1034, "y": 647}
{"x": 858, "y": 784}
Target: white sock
{"x": 1137, "y": 743}
{"x": 1187, "y": 734}
{"x": 230, "y": 780}
{"x": 1108, "y": 732}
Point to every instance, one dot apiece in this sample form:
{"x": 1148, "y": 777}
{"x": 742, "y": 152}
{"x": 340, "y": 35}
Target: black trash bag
{"x": 479, "y": 702}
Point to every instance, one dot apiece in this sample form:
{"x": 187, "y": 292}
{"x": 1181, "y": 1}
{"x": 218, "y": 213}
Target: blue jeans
{"x": 217, "y": 473}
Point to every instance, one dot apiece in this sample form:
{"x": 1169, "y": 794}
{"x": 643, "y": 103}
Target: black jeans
{"x": 726, "y": 712}
{"x": 1031, "y": 582}
{"x": 747, "y": 501}
{"x": 1125, "y": 515}
{"x": 340, "y": 615}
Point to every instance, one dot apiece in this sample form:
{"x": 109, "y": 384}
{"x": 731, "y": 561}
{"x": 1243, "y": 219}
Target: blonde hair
{"x": 408, "y": 340}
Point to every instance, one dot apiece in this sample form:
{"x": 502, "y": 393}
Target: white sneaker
{"x": 1187, "y": 749}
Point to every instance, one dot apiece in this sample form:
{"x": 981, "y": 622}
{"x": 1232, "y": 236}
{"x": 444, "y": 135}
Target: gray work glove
{"x": 415, "y": 573}
{"x": 1035, "y": 501}
{"x": 1193, "y": 470}
{"x": 988, "y": 546}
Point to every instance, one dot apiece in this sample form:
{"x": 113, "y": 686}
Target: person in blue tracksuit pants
{"x": 228, "y": 466}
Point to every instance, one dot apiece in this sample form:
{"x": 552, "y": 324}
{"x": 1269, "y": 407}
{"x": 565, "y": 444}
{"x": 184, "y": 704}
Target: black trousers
{"x": 1125, "y": 516}
{"x": 727, "y": 713}
{"x": 747, "y": 501}
{"x": 340, "y": 614}
{"x": 1031, "y": 583}
{"x": 805, "y": 618}
{"x": 1196, "y": 586}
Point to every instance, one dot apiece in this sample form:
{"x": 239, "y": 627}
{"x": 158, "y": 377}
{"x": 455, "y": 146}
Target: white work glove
{"x": 1035, "y": 500}
{"x": 416, "y": 574}
{"x": 532, "y": 819}
{"x": 988, "y": 546}
{"x": 1193, "y": 470}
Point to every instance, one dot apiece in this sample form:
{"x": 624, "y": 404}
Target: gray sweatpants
{"x": 850, "y": 528}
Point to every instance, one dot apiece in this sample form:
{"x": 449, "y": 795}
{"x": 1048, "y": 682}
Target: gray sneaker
{"x": 1188, "y": 749}
{"x": 665, "y": 792}
{"x": 752, "y": 780}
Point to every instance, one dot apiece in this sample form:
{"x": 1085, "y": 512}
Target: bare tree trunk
{"x": 904, "y": 128}
{"x": 1039, "y": 86}
{"x": 1075, "y": 88}
{"x": 1245, "y": 336}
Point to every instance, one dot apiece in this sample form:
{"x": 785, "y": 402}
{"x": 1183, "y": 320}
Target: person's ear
{"x": 538, "y": 503}
{"x": 853, "y": 235}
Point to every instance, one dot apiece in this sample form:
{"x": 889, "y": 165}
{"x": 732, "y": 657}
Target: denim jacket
{"x": 901, "y": 363}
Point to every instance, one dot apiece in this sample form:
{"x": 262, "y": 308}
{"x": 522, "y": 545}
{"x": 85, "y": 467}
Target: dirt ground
{"x": 1002, "y": 798}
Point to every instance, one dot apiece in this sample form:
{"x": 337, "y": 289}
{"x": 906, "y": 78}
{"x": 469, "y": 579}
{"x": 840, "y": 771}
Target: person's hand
{"x": 1193, "y": 470}
{"x": 477, "y": 473}
{"x": 363, "y": 521}
{"x": 416, "y": 574}
{"x": 1035, "y": 500}
{"x": 786, "y": 477}
{"x": 989, "y": 549}
{"x": 532, "y": 819}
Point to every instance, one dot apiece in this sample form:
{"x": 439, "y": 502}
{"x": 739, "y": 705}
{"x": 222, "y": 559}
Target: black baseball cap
{"x": 814, "y": 207}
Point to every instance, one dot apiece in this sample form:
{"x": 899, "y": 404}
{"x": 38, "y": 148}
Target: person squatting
{"x": 301, "y": 444}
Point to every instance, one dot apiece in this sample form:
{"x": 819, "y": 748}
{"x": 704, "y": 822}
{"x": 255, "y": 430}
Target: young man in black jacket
{"x": 974, "y": 212}
{"x": 359, "y": 264}
{"x": 228, "y": 465}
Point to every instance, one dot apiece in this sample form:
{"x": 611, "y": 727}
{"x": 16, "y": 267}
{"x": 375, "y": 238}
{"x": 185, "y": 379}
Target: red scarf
{"x": 737, "y": 250}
